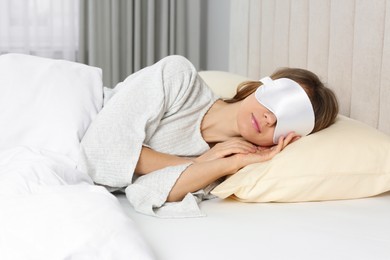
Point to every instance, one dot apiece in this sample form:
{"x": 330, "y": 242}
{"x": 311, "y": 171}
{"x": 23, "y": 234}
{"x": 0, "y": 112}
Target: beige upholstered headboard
{"x": 347, "y": 43}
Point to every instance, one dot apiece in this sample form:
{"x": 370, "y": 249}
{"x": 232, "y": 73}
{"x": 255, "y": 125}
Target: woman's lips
{"x": 255, "y": 124}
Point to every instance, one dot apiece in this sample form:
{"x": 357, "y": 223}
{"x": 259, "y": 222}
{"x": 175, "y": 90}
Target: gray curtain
{"x": 123, "y": 36}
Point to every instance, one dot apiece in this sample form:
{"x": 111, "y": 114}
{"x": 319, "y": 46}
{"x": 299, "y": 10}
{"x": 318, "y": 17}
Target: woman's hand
{"x": 233, "y": 146}
{"x": 224, "y": 159}
{"x": 263, "y": 153}
{"x": 221, "y": 160}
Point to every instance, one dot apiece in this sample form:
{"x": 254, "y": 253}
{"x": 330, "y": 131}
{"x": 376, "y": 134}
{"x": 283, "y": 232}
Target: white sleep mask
{"x": 289, "y": 103}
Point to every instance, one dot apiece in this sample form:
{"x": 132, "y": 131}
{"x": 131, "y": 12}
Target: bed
{"x": 50, "y": 210}
{"x": 326, "y": 227}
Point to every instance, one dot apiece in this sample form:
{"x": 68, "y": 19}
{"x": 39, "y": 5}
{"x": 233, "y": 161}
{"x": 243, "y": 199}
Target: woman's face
{"x": 255, "y": 122}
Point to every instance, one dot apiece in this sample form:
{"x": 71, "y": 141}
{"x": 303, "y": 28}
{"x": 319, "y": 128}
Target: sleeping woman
{"x": 164, "y": 136}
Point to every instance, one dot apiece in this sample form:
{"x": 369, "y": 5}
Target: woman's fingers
{"x": 227, "y": 148}
{"x": 296, "y": 138}
{"x": 290, "y": 138}
{"x": 267, "y": 153}
{"x": 241, "y": 146}
{"x": 232, "y": 150}
{"x": 283, "y": 142}
{"x": 237, "y": 146}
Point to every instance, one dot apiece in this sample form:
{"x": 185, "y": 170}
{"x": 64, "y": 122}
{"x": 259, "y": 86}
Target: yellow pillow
{"x": 223, "y": 83}
{"x": 345, "y": 161}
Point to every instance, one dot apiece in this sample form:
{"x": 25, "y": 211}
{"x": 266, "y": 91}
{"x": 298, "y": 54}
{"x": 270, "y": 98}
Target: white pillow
{"x": 46, "y": 103}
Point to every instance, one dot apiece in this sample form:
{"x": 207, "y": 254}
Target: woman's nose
{"x": 270, "y": 118}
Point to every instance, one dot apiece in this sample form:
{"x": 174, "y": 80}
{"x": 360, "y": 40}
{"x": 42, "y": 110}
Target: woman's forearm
{"x": 202, "y": 173}
{"x": 199, "y": 175}
{"x": 151, "y": 160}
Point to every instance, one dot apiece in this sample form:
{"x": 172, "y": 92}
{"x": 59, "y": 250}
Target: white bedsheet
{"x": 50, "y": 211}
{"x": 349, "y": 229}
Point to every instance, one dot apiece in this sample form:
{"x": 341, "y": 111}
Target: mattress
{"x": 346, "y": 229}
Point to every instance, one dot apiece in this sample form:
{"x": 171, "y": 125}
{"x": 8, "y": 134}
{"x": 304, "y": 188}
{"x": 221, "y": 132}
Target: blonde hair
{"x": 323, "y": 99}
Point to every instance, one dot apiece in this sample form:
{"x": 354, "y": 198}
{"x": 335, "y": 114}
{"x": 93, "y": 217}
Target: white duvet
{"x": 48, "y": 210}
